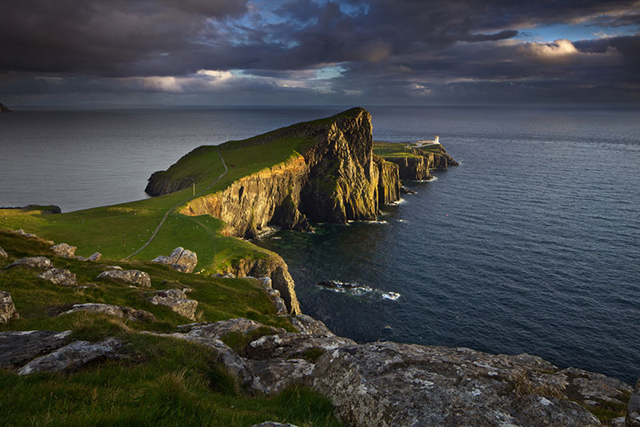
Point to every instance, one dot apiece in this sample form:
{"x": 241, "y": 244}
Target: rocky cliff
{"x": 417, "y": 163}
{"x": 336, "y": 180}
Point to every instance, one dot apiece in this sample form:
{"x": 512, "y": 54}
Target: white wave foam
{"x": 398, "y": 202}
{"x": 358, "y": 290}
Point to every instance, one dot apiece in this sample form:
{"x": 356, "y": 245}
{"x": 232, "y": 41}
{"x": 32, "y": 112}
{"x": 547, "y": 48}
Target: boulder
{"x": 18, "y": 347}
{"x": 293, "y": 346}
{"x": 591, "y": 388}
{"x": 226, "y": 356}
{"x": 130, "y": 277}
{"x": 113, "y": 267}
{"x": 38, "y": 262}
{"x": 224, "y": 327}
{"x": 93, "y": 257}
{"x": 390, "y": 384}
{"x": 59, "y": 276}
{"x": 3, "y": 253}
{"x": 23, "y": 233}
{"x": 180, "y": 259}
{"x": 308, "y": 325}
{"x": 279, "y": 374}
{"x": 272, "y": 424}
{"x": 72, "y": 357}
{"x": 176, "y": 300}
{"x": 127, "y": 313}
{"x": 64, "y": 250}
{"x": 633, "y": 408}
{"x": 7, "y": 308}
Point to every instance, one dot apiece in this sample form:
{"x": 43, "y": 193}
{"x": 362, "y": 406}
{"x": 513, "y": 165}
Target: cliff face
{"x": 420, "y": 162}
{"x": 160, "y": 184}
{"x": 412, "y": 168}
{"x": 275, "y": 268}
{"x": 336, "y": 180}
{"x": 343, "y": 180}
{"x": 249, "y": 204}
{"x": 389, "y": 182}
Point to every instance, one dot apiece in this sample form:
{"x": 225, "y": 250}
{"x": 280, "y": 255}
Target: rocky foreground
{"x": 372, "y": 384}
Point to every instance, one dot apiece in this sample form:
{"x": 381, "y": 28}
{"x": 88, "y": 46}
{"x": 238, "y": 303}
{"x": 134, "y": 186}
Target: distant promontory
{"x": 4, "y": 109}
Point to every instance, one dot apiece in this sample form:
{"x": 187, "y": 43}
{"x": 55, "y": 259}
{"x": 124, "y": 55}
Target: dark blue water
{"x": 531, "y": 245}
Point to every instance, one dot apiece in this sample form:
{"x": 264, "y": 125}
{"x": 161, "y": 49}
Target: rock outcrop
{"x": 18, "y": 347}
{"x": 59, "y": 276}
{"x": 64, "y": 250}
{"x": 177, "y": 301}
{"x": 37, "y": 262}
{"x": 96, "y": 256}
{"x": 129, "y": 277}
{"x": 3, "y": 253}
{"x": 180, "y": 259}
{"x": 390, "y": 384}
{"x": 121, "y": 312}
{"x": 335, "y": 180}
{"x": 4, "y": 109}
{"x": 277, "y": 270}
{"x": 7, "y": 308}
{"x": 72, "y": 357}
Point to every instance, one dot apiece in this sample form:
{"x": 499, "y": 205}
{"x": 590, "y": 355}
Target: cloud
{"x": 393, "y": 50}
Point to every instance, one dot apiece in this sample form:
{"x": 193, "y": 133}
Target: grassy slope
{"x": 162, "y": 381}
{"x": 395, "y": 149}
{"x": 117, "y": 231}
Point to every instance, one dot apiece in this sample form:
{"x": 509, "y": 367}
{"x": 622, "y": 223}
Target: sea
{"x": 531, "y": 245}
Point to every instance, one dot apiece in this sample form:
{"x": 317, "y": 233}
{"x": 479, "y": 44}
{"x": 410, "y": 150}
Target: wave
{"x": 398, "y": 202}
{"x": 357, "y": 290}
{"x": 433, "y": 178}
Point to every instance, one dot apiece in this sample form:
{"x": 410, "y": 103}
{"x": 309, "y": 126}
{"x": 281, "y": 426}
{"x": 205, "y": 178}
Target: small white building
{"x": 425, "y": 142}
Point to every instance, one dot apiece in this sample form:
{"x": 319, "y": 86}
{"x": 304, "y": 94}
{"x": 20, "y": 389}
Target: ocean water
{"x": 531, "y": 245}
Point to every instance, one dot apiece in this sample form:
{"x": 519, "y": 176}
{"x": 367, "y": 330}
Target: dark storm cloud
{"x": 407, "y": 49}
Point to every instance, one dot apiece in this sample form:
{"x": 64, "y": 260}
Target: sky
{"x": 317, "y": 52}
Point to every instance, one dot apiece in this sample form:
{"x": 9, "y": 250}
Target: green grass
{"x": 161, "y": 381}
{"x": 118, "y": 231}
{"x": 395, "y": 149}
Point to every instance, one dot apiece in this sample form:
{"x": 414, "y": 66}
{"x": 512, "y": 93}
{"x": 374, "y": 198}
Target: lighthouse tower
{"x": 437, "y": 140}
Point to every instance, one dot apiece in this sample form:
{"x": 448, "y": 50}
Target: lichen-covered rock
{"x": 131, "y": 277}
{"x": 177, "y": 301}
{"x": 390, "y": 384}
{"x": 592, "y": 389}
{"x": 23, "y": 233}
{"x": 180, "y": 259}
{"x": 112, "y": 310}
{"x": 96, "y": 256}
{"x": 72, "y": 357}
{"x": 633, "y": 408}
{"x": 224, "y": 327}
{"x": 291, "y": 345}
{"x": 38, "y": 262}
{"x": 308, "y": 325}
{"x": 272, "y": 424}
{"x": 278, "y": 374}
{"x": 18, "y": 347}
{"x": 59, "y": 276}
{"x": 7, "y": 308}
{"x": 3, "y": 253}
{"x": 64, "y": 250}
